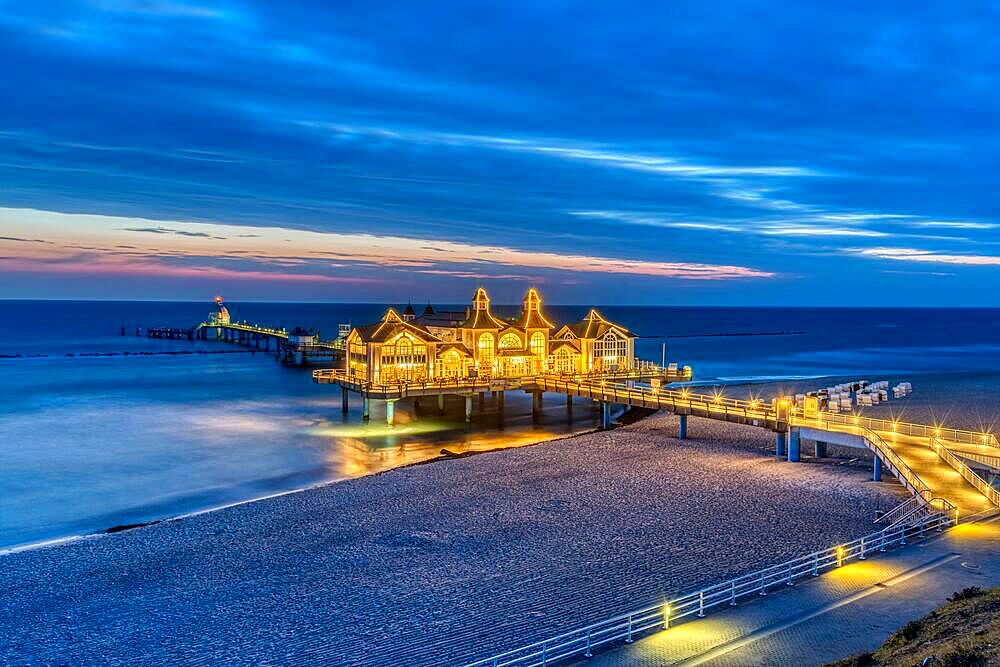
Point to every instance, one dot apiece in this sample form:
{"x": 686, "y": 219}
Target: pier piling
{"x": 794, "y": 446}
{"x": 682, "y": 427}
{"x": 820, "y": 450}
{"x": 343, "y": 400}
{"x": 877, "y": 469}
{"x": 468, "y": 408}
{"x": 779, "y": 444}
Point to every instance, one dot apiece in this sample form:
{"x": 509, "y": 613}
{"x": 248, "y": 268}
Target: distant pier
{"x": 298, "y": 347}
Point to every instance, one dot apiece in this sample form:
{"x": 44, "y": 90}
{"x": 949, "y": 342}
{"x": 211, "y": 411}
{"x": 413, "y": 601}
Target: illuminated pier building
{"x": 478, "y": 344}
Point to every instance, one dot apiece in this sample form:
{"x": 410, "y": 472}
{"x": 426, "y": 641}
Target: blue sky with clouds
{"x": 683, "y": 152}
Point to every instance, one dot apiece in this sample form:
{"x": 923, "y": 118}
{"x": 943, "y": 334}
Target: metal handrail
{"x": 903, "y": 508}
{"x": 965, "y": 471}
{"x": 582, "y": 641}
{"x": 745, "y": 409}
{"x": 956, "y": 435}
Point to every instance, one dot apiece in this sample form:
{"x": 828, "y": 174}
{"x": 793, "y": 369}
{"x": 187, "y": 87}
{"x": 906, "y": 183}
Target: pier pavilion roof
{"x": 592, "y": 326}
{"x": 556, "y": 345}
{"x": 481, "y": 317}
{"x": 442, "y": 318}
{"x": 391, "y": 326}
{"x": 445, "y": 347}
{"x": 531, "y": 316}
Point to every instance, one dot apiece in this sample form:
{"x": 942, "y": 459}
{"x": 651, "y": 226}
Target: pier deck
{"x": 920, "y": 456}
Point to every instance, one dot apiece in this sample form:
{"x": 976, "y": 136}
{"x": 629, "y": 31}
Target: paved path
{"x": 843, "y": 612}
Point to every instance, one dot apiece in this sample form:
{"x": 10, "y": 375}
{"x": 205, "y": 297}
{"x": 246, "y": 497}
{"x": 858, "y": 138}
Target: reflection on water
{"x": 93, "y": 443}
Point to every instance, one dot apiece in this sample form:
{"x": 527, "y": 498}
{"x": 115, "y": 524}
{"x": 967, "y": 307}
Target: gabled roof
{"x": 556, "y": 345}
{"x": 594, "y": 326}
{"x": 392, "y": 325}
{"x": 531, "y": 316}
{"x": 514, "y": 329}
{"x": 454, "y": 346}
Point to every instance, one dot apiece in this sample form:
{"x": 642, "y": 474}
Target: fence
{"x": 582, "y": 641}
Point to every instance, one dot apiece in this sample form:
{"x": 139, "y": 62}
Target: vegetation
{"x": 964, "y": 632}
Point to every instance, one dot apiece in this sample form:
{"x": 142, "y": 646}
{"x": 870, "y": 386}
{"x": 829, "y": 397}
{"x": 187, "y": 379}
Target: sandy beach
{"x": 435, "y": 564}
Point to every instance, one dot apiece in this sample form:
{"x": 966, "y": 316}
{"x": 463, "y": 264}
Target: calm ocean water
{"x": 93, "y": 442}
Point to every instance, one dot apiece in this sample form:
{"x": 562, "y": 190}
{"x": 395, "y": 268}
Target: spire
{"x": 531, "y": 316}
{"x": 409, "y": 313}
{"x": 481, "y": 301}
{"x": 429, "y": 310}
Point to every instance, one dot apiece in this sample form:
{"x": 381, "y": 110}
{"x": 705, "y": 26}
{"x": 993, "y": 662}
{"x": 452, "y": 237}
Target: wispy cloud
{"x": 575, "y": 150}
{"x": 926, "y": 256}
{"x": 953, "y": 224}
{"x": 818, "y": 230}
{"x": 321, "y": 250}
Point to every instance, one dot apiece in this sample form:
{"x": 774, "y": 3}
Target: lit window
{"x": 538, "y": 344}
{"x": 508, "y": 341}
{"x": 486, "y": 350}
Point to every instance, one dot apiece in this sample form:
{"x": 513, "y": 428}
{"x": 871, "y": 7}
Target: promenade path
{"x": 843, "y": 612}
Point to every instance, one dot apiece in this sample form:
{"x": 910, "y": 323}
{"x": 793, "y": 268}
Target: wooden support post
{"x": 536, "y": 404}
{"x": 365, "y": 407}
{"x": 779, "y": 444}
{"x": 468, "y": 408}
{"x": 500, "y": 399}
{"x": 682, "y": 427}
{"x": 440, "y": 404}
{"x": 605, "y": 415}
{"x": 877, "y": 469}
{"x": 343, "y": 400}
{"x": 390, "y": 412}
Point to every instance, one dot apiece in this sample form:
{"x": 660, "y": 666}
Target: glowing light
{"x": 666, "y": 616}
{"x": 840, "y": 556}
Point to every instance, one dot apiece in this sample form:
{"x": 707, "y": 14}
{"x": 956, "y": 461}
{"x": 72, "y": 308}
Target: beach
{"x": 440, "y": 563}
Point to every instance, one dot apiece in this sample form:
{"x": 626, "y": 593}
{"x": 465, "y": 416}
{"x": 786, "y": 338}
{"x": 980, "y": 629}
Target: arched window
{"x": 485, "y": 351}
{"x": 509, "y": 341}
{"x": 538, "y": 344}
{"x": 611, "y": 347}
{"x": 404, "y": 351}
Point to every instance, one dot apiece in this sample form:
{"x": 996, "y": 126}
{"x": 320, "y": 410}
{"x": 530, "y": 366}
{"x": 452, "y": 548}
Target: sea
{"x": 101, "y": 428}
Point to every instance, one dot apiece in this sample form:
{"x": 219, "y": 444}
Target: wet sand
{"x": 435, "y": 564}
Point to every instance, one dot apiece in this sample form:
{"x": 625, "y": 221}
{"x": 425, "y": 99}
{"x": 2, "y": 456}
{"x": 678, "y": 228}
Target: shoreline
{"x": 444, "y": 455}
{"x": 493, "y": 546}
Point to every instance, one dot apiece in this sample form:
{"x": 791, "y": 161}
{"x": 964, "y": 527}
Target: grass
{"x": 963, "y": 632}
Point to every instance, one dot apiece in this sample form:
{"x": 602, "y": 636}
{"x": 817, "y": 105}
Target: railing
{"x": 965, "y": 471}
{"x": 337, "y": 343}
{"x": 919, "y": 430}
{"x": 719, "y": 406}
{"x": 985, "y": 459}
{"x": 329, "y": 375}
{"x": 581, "y": 642}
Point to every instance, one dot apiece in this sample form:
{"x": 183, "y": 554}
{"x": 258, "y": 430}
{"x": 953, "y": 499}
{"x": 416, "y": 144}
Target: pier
{"x": 298, "y": 347}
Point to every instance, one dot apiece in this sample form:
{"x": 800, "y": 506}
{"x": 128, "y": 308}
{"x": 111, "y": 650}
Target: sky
{"x": 689, "y": 153}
